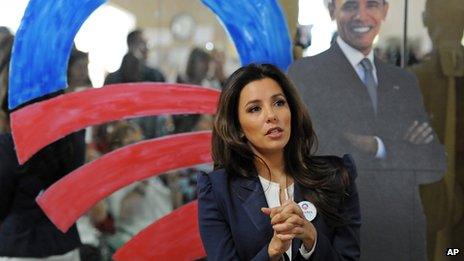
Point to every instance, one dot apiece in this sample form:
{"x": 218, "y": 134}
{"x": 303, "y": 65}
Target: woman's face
{"x": 264, "y": 116}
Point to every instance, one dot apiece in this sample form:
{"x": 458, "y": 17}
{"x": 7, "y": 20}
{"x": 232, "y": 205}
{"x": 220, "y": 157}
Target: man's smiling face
{"x": 358, "y": 21}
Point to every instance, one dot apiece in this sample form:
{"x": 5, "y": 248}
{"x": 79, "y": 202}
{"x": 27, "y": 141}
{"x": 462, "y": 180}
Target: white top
{"x": 354, "y": 57}
{"x": 272, "y": 192}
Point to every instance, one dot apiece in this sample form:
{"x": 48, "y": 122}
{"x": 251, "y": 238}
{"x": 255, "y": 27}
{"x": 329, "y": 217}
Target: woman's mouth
{"x": 274, "y": 133}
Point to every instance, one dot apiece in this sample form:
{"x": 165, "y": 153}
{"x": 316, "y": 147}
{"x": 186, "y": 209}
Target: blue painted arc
{"x": 258, "y": 29}
{"x": 42, "y": 47}
{"x": 44, "y": 40}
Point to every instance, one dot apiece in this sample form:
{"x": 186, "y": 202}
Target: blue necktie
{"x": 369, "y": 81}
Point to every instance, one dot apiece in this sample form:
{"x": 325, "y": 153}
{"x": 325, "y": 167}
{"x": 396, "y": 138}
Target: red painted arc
{"x": 173, "y": 237}
{"x": 57, "y": 117}
{"x": 73, "y": 195}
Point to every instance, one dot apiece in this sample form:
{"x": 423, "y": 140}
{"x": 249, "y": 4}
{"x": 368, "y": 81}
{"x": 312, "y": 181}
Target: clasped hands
{"x": 288, "y": 222}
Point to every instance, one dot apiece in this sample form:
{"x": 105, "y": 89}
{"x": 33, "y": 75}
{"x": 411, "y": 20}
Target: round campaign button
{"x": 309, "y": 210}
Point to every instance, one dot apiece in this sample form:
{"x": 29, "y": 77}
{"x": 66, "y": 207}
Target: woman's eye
{"x": 280, "y": 103}
{"x": 254, "y": 109}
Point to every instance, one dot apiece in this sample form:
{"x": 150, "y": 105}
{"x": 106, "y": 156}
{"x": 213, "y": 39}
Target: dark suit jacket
{"x": 25, "y": 231}
{"x": 233, "y": 227}
{"x": 338, "y": 102}
{"x": 148, "y": 75}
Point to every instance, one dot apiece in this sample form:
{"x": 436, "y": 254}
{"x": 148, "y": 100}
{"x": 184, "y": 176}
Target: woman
{"x": 25, "y": 231}
{"x": 262, "y": 142}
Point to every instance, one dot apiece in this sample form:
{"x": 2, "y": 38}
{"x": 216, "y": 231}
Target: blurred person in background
{"x": 78, "y": 72}
{"x": 136, "y": 206}
{"x": 6, "y": 43}
{"x": 134, "y": 68}
{"x": 25, "y": 231}
{"x": 78, "y": 80}
{"x": 197, "y": 67}
{"x": 4, "y": 32}
{"x": 216, "y": 75}
{"x": 203, "y": 69}
{"x": 196, "y": 72}
{"x": 183, "y": 182}
{"x": 87, "y": 226}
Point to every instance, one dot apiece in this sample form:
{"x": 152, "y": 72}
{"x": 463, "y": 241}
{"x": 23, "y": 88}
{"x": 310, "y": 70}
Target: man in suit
{"x": 134, "y": 68}
{"x": 374, "y": 111}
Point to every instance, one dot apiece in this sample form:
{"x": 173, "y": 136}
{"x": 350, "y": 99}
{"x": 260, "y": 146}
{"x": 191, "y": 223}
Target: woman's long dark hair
{"x": 324, "y": 181}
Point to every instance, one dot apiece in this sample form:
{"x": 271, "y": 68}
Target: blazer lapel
{"x": 251, "y": 193}
{"x": 385, "y": 87}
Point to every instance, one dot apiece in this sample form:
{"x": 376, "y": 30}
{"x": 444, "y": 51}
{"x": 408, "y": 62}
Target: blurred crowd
{"x": 116, "y": 219}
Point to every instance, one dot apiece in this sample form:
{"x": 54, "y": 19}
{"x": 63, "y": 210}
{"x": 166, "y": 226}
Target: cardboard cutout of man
{"x": 374, "y": 111}
{"x": 441, "y": 78}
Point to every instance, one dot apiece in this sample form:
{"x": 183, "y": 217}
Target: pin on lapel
{"x": 309, "y": 210}
{"x": 396, "y": 87}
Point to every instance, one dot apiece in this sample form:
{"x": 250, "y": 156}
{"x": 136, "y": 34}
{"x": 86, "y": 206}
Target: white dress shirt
{"x": 272, "y": 192}
{"x": 354, "y": 57}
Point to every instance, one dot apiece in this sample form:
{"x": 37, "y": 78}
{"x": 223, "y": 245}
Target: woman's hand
{"x": 278, "y": 246}
{"x": 279, "y": 243}
{"x": 288, "y": 222}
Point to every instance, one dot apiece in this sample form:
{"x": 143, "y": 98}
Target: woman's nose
{"x": 271, "y": 116}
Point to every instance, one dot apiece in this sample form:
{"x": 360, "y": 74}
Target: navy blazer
{"x": 232, "y": 226}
